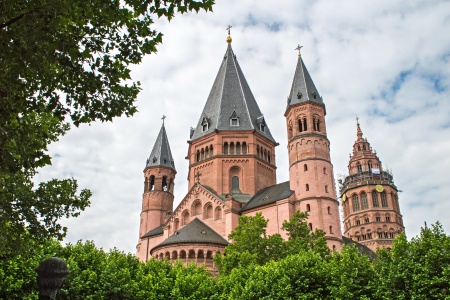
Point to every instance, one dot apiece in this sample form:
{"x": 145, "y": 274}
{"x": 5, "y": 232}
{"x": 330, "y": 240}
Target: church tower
{"x": 310, "y": 169}
{"x": 370, "y": 198}
{"x": 231, "y": 150}
{"x": 157, "y": 200}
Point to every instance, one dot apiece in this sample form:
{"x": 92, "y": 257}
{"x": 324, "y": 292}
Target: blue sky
{"x": 388, "y": 62}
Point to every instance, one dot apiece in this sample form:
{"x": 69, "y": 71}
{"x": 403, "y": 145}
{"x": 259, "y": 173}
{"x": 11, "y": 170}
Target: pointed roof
{"x": 194, "y": 232}
{"x": 303, "y": 88}
{"x": 231, "y": 97}
{"x": 270, "y": 194}
{"x": 161, "y": 154}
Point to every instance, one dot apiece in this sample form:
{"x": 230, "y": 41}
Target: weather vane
{"x": 299, "y": 48}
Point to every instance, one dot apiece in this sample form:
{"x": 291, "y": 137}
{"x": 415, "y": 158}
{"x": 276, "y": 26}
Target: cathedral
{"x": 232, "y": 172}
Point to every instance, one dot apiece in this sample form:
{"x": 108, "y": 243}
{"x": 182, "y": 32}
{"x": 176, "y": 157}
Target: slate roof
{"x": 161, "y": 154}
{"x": 195, "y": 232}
{"x": 156, "y": 231}
{"x": 303, "y": 88}
{"x": 269, "y": 195}
{"x": 231, "y": 96}
{"x": 361, "y": 248}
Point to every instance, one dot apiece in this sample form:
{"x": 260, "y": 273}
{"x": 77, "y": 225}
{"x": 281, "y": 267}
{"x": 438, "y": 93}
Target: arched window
{"x": 182, "y": 254}
{"x": 218, "y": 213}
{"x": 265, "y": 154}
{"x": 152, "y": 183}
{"x": 244, "y": 148}
{"x": 331, "y": 229}
{"x": 206, "y": 152}
{"x": 314, "y": 124}
{"x": 364, "y": 147}
{"x": 305, "y": 167}
{"x": 196, "y": 208}
{"x": 375, "y": 199}
{"x": 384, "y": 202}
{"x": 307, "y": 187}
{"x": 235, "y": 182}
{"x": 208, "y": 211}
{"x": 268, "y": 156}
{"x": 290, "y": 132}
{"x": 225, "y": 148}
{"x": 310, "y": 226}
{"x": 257, "y": 151}
{"x": 388, "y": 218}
{"x": 364, "y": 203}
{"x": 355, "y": 202}
{"x": 324, "y": 170}
{"x": 359, "y": 148}
{"x": 308, "y": 207}
{"x": 359, "y": 167}
{"x": 231, "y": 148}
{"x": 164, "y": 184}
{"x": 318, "y": 124}
{"x": 202, "y": 154}
{"x": 334, "y": 247}
{"x": 329, "y": 210}
{"x": 238, "y": 148}
{"x": 326, "y": 189}
{"x": 369, "y": 165}
{"x": 305, "y": 126}
{"x": 300, "y": 125}
{"x": 185, "y": 218}
{"x": 176, "y": 225}
{"x": 197, "y": 158}
{"x": 211, "y": 152}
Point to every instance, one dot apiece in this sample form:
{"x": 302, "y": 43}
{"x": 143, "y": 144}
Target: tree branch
{"x": 13, "y": 20}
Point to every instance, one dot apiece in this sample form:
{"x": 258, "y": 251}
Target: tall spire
{"x": 161, "y": 154}
{"x": 359, "y": 133}
{"x": 231, "y": 104}
{"x": 303, "y": 88}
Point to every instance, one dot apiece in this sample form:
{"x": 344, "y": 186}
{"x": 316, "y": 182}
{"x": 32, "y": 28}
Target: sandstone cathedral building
{"x": 232, "y": 172}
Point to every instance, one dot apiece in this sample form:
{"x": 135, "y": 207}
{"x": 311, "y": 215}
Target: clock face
{"x": 379, "y": 188}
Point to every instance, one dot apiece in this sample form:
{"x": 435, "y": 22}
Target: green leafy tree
{"x": 62, "y": 62}
{"x": 352, "y": 275}
{"x": 301, "y": 276}
{"x": 301, "y": 238}
{"x": 416, "y": 269}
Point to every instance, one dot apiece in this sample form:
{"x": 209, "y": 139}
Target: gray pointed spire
{"x": 231, "y": 104}
{"x": 303, "y": 88}
{"x": 161, "y": 154}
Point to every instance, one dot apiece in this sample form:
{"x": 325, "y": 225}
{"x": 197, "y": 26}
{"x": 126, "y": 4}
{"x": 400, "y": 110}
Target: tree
{"x": 251, "y": 245}
{"x": 99, "y": 274}
{"x": 301, "y": 238}
{"x": 64, "y": 61}
{"x": 416, "y": 269}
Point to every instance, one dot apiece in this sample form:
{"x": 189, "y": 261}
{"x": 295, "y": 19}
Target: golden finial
{"x": 229, "y": 39}
{"x": 298, "y": 48}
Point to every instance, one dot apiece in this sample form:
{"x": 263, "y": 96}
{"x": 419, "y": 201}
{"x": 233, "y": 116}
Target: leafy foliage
{"x": 64, "y": 61}
{"x": 415, "y": 269}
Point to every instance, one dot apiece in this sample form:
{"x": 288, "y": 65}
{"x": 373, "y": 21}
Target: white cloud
{"x": 355, "y": 52}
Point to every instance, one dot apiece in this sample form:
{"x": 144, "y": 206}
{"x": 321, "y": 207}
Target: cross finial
{"x": 357, "y": 119}
{"x": 299, "y": 48}
{"x": 197, "y": 176}
{"x": 229, "y": 39}
{"x": 228, "y": 28}
{"x": 163, "y": 117}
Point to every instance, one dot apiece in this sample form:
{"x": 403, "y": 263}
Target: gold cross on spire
{"x": 299, "y": 48}
{"x": 229, "y": 39}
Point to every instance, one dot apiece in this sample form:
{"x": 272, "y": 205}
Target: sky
{"x": 386, "y": 61}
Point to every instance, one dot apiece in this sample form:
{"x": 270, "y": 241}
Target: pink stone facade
{"x": 370, "y": 199}
{"x": 227, "y": 168}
